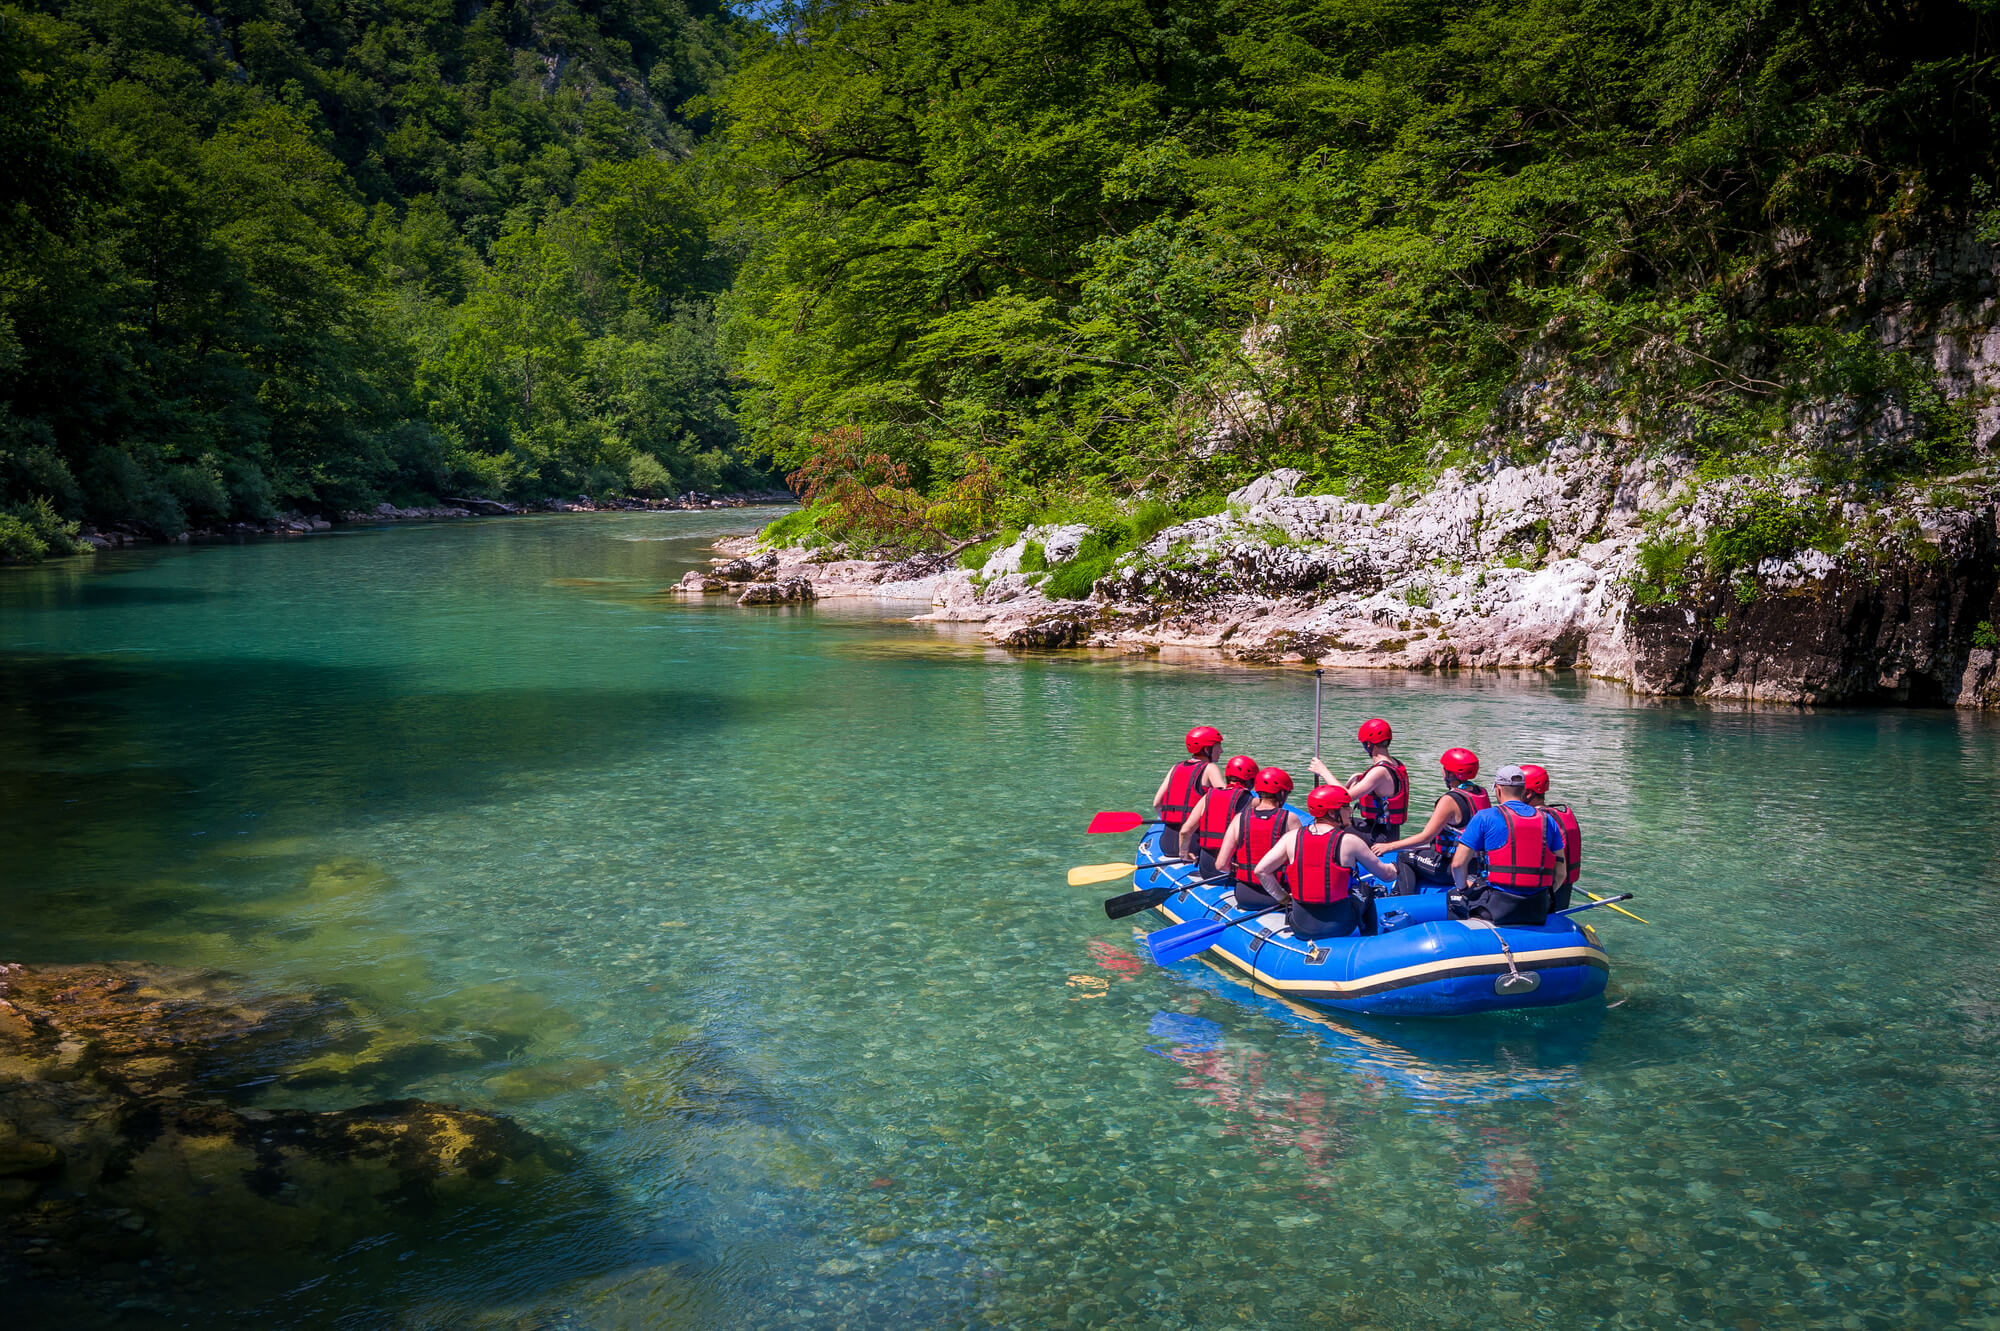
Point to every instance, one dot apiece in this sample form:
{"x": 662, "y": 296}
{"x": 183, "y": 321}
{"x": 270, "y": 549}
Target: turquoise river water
{"x": 768, "y": 907}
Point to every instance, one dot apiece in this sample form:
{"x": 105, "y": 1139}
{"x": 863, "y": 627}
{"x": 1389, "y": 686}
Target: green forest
{"x": 273, "y": 253}
{"x": 946, "y": 263}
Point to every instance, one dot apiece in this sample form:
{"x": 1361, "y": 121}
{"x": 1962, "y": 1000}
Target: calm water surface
{"x": 764, "y": 912}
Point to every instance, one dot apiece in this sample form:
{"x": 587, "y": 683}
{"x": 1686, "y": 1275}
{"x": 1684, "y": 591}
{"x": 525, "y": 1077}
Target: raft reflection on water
{"x": 1467, "y": 1061}
{"x": 1436, "y": 1068}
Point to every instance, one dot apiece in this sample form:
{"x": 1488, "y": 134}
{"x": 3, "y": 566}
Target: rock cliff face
{"x": 1902, "y": 630}
{"x": 1534, "y": 566}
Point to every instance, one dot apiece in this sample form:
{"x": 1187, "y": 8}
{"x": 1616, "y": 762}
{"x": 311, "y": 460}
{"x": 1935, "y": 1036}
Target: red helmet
{"x": 1374, "y": 732}
{"x": 1537, "y": 779}
{"x": 1461, "y": 763}
{"x": 1202, "y": 738}
{"x": 1274, "y": 781}
{"x": 1325, "y": 799}
{"x": 1241, "y": 768}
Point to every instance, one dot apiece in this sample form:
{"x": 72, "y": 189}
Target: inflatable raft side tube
{"x": 1425, "y": 973}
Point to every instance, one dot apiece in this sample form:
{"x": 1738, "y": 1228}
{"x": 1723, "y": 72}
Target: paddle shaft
{"x": 1593, "y": 905}
{"x": 1131, "y": 903}
{"x": 1606, "y": 901}
{"x": 1084, "y": 874}
{"x": 1319, "y": 680}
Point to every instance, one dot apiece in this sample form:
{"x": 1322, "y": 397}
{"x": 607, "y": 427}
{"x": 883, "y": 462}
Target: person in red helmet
{"x": 1312, "y": 871}
{"x": 1213, "y": 812}
{"x": 1260, "y": 825}
{"x": 1520, "y": 852}
{"x": 1537, "y": 786}
{"x": 1381, "y": 790}
{"x": 1424, "y": 857}
{"x": 1187, "y": 781}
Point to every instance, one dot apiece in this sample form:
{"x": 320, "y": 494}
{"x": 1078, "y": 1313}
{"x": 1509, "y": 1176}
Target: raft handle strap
{"x": 1501, "y": 939}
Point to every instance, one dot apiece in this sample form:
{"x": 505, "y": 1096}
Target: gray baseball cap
{"x": 1510, "y": 775}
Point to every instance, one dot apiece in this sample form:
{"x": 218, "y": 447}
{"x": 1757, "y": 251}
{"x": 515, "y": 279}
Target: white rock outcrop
{"x": 1519, "y": 565}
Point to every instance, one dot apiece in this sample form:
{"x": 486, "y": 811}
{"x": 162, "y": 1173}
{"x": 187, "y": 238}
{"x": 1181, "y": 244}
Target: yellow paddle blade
{"x": 1099, "y": 873}
{"x": 1620, "y": 909}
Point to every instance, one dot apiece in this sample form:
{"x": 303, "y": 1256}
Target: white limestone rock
{"x": 1275, "y": 485}
{"x": 1058, "y": 542}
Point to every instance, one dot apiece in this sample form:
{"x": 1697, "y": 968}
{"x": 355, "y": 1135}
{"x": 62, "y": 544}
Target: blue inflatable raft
{"x": 1419, "y": 964}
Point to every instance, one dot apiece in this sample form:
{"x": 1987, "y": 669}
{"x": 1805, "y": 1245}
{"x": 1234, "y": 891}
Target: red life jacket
{"x": 1395, "y": 810}
{"x": 1525, "y": 865}
{"x": 1257, "y": 830}
{"x": 1572, "y": 843}
{"x": 1315, "y": 876}
{"x": 1184, "y": 787}
{"x": 1470, "y": 799}
{"x": 1216, "y": 811}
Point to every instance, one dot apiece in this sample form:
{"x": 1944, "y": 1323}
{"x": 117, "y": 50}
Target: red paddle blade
{"x": 1114, "y": 822}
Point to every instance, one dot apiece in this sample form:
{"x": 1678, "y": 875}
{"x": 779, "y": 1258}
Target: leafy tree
{"x": 1107, "y": 245}
{"x": 312, "y": 254}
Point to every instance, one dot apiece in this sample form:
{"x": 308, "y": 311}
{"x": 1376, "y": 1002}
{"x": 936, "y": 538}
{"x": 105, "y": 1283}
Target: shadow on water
{"x": 147, "y": 766}
{"x": 53, "y": 595}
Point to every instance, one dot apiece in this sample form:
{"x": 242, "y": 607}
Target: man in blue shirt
{"x": 1519, "y": 849}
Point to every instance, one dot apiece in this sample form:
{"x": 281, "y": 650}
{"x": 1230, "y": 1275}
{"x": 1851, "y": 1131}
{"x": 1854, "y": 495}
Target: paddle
{"x": 1119, "y": 822}
{"x": 1606, "y": 901}
{"x": 1117, "y": 908}
{"x": 1134, "y": 902}
{"x": 1178, "y": 942}
{"x": 1083, "y": 874}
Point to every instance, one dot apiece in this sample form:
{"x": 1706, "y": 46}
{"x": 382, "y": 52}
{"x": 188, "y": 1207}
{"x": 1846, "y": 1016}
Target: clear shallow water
{"x": 764, "y": 912}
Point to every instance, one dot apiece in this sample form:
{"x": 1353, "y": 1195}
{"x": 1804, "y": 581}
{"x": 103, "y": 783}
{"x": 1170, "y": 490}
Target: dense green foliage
{"x": 1108, "y": 539}
{"x": 289, "y": 252}
{"x": 956, "y": 264}
{"x": 1146, "y": 245}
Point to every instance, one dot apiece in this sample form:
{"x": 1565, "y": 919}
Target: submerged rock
{"x": 217, "y": 1180}
{"x": 123, "y": 1133}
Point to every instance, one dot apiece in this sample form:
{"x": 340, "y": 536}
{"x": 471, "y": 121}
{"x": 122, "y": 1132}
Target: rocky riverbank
{"x": 134, "y": 1173}
{"x": 1587, "y": 556}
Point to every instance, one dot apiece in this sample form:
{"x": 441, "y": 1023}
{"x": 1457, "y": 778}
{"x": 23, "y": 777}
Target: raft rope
{"x": 1267, "y": 936}
{"x": 1312, "y": 952}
